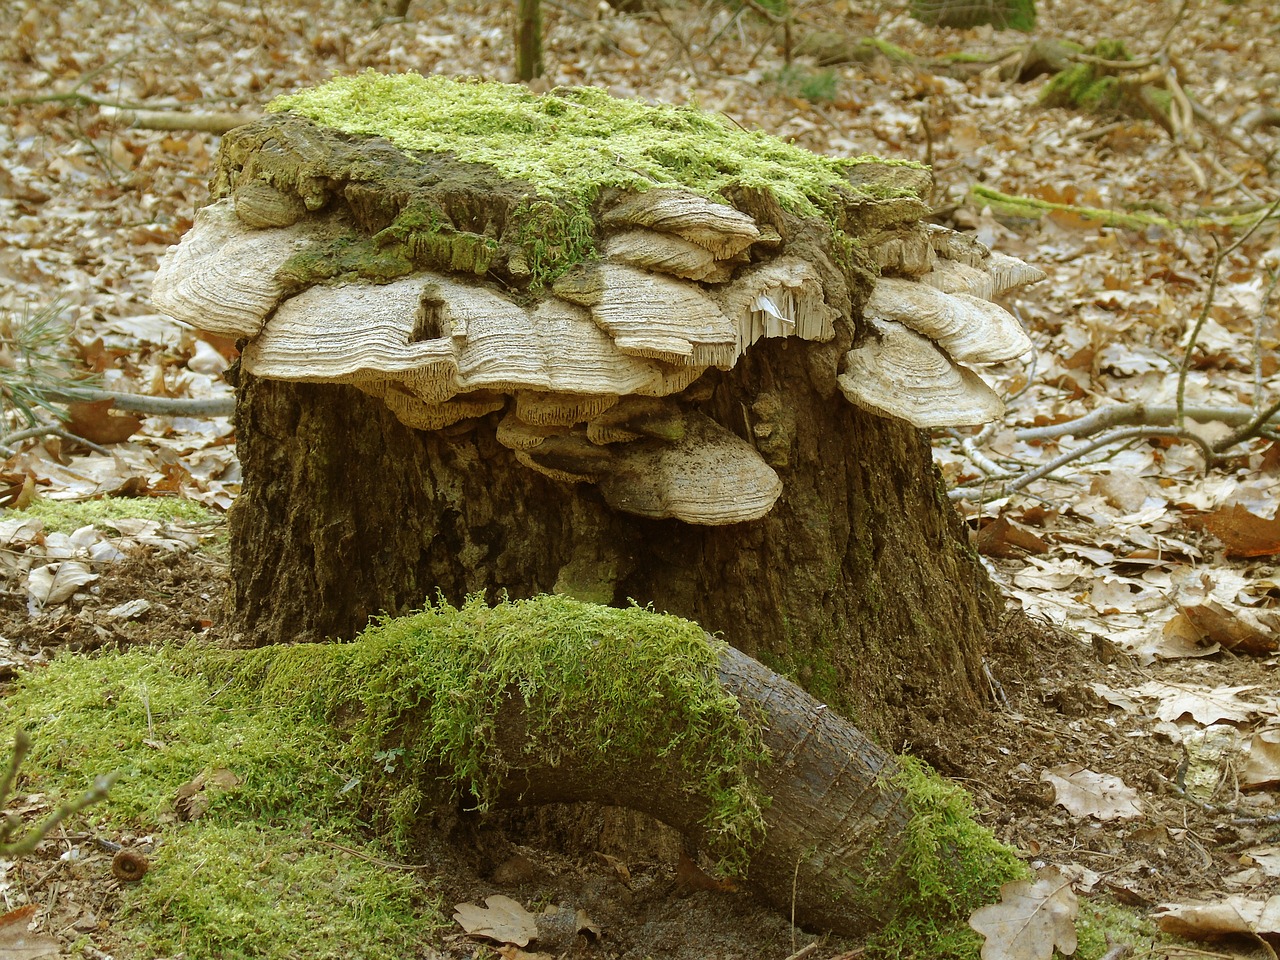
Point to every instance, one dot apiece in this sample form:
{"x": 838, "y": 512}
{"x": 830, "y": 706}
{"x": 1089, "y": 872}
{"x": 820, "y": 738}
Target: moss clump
{"x": 1101, "y": 922}
{"x": 240, "y": 881}
{"x": 1089, "y": 86}
{"x": 573, "y": 142}
{"x": 261, "y": 890}
{"x": 598, "y": 686}
{"x": 64, "y": 516}
{"x": 816, "y": 86}
{"x": 956, "y": 865}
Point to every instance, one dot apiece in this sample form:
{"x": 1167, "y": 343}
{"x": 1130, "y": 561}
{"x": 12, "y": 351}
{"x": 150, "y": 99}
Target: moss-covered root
{"x": 550, "y": 699}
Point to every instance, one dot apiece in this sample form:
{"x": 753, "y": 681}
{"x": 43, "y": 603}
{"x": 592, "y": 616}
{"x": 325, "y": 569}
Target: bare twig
{"x": 47, "y": 430}
{"x": 153, "y": 406}
{"x": 1219, "y": 257}
{"x": 1116, "y": 436}
{"x": 1122, "y": 414}
{"x": 1250, "y": 429}
{"x": 11, "y": 824}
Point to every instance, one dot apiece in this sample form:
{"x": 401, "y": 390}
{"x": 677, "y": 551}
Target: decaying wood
{"x": 834, "y": 846}
{"x": 199, "y": 122}
{"x": 623, "y": 432}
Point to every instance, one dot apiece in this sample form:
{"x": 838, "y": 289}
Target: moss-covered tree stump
{"x": 501, "y": 343}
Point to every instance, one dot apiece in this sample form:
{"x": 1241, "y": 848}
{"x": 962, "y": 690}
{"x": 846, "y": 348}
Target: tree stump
{"x": 521, "y": 344}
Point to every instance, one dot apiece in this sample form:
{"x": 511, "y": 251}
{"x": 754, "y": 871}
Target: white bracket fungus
{"x": 592, "y": 377}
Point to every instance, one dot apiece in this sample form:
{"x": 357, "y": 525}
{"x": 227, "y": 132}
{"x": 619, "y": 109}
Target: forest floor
{"x": 1137, "y": 747}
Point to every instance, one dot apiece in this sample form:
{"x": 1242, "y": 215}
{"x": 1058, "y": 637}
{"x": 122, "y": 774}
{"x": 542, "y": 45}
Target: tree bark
{"x": 834, "y": 854}
{"x": 858, "y": 583}
{"x": 528, "y": 40}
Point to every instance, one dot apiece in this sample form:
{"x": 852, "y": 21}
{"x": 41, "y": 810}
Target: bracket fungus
{"x": 567, "y": 294}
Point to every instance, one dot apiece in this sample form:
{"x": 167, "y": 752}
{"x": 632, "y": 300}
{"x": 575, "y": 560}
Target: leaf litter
{"x": 1162, "y": 573}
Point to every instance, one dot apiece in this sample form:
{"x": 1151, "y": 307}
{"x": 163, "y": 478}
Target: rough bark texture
{"x": 834, "y": 853}
{"x": 858, "y": 583}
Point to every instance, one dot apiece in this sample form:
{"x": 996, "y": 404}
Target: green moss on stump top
{"x": 575, "y": 141}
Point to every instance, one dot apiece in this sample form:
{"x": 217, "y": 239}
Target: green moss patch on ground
{"x": 159, "y": 723}
{"x": 957, "y": 866}
{"x": 65, "y": 516}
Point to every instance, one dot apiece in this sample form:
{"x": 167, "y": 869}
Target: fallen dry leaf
{"x": 1205, "y": 706}
{"x": 1234, "y": 914}
{"x": 95, "y": 421}
{"x": 1242, "y": 630}
{"x": 1244, "y": 534}
{"x": 1003, "y": 538}
{"x": 193, "y": 798}
{"x": 501, "y": 919}
{"x": 56, "y": 583}
{"x": 18, "y": 943}
{"x": 1030, "y": 919}
{"x": 1262, "y": 760}
{"x": 1266, "y": 858}
{"x": 1085, "y": 793}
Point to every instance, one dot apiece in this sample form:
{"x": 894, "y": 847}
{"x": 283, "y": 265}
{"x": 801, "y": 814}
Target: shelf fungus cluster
{"x": 932, "y": 321}
{"x": 346, "y": 259}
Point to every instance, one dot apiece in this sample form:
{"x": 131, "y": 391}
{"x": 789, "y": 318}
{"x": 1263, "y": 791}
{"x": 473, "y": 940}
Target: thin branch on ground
{"x": 1139, "y": 414}
{"x": 994, "y": 491}
{"x": 46, "y": 430}
{"x": 1219, "y": 256}
{"x": 13, "y": 846}
{"x": 215, "y": 122}
{"x": 151, "y": 406}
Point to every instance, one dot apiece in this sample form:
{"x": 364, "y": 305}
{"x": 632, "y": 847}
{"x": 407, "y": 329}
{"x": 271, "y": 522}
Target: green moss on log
{"x": 598, "y": 684}
{"x": 956, "y": 866}
{"x": 575, "y": 141}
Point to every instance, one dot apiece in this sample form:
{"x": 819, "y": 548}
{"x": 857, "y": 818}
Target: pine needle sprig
{"x": 35, "y": 365}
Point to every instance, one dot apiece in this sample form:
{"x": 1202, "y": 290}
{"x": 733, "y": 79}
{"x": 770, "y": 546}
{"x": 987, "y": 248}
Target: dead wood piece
{"x": 833, "y": 849}
{"x": 199, "y": 122}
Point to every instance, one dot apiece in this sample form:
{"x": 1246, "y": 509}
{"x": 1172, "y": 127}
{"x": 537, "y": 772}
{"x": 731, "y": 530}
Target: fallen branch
{"x": 1139, "y": 413}
{"x": 1220, "y": 255}
{"x": 1034, "y": 208}
{"x": 214, "y": 122}
{"x": 993, "y": 492}
{"x": 151, "y": 406}
{"x": 46, "y": 430}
